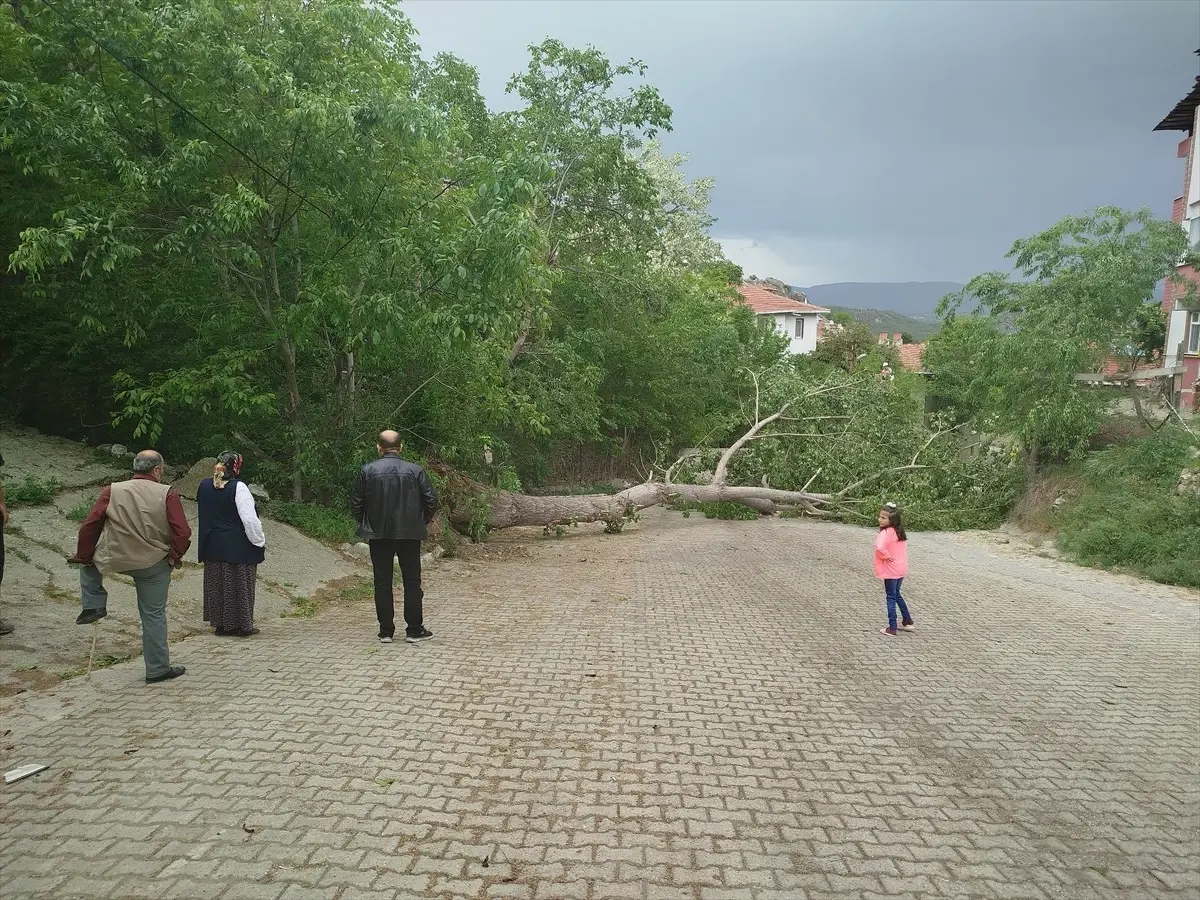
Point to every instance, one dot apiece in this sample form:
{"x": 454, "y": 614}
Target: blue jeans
{"x": 891, "y": 587}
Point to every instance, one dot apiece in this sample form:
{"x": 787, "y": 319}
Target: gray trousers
{"x": 152, "y": 584}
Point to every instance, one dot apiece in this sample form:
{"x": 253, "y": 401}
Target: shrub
{"x": 80, "y": 510}
{"x": 724, "y": 509}
{"x": 1127, "y": 514}
{"x": 317, "y": 521}
{"x": 31, "y": 491}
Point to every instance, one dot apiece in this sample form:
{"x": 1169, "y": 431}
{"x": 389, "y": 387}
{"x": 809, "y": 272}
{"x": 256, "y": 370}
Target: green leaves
{"x": 284, "y": 223}
{"x": 1085, "y": 292}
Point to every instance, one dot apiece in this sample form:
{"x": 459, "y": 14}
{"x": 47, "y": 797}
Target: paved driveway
{"x": 691, "y": 709}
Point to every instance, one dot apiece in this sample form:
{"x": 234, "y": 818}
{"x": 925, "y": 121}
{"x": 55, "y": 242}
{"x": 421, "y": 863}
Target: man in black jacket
{"x": 393, "y": 501}
{"x": 5, "y": 628}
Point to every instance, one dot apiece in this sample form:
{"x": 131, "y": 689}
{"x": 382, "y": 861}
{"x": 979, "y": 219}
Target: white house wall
{"x": 1177, "y": 325}
{"x": 785, "y": 324}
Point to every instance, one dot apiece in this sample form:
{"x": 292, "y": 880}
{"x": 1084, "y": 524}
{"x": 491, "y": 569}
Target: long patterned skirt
{"x": 229, "y": 595}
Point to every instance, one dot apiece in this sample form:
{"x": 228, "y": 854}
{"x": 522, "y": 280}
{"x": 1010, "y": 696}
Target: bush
{"x": 1128, "y": 516}
{"x": 80, "y": 510}
{"x": 31, "y": 491}
{"x": 316, "y": 521}
{"x": 723, "y": 509}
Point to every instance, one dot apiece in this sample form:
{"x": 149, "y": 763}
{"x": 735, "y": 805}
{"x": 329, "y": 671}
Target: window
{"x": 800, "y": 326}
{"x": 1193, "y": 336}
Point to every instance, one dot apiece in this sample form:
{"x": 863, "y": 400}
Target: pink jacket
{"x": 891, "y": 555}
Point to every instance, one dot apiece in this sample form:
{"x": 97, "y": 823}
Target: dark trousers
{"x": 383, "y": 552}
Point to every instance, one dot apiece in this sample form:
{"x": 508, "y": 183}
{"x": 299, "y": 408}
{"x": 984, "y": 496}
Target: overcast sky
{"x": 880, "y": 141}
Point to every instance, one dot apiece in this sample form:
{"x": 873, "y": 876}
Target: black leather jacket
{"x": 392, "y": 498}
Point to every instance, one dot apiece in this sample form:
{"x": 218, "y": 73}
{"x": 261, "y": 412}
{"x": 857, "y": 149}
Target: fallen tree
{"x": 473, "y": 506}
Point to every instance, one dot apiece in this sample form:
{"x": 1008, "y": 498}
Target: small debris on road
{"x": 23, "y": 772}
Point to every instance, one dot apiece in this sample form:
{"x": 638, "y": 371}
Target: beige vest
{"x": 136, "y": 532}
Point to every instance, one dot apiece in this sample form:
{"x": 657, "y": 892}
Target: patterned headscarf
{"x": 229, "y": 464}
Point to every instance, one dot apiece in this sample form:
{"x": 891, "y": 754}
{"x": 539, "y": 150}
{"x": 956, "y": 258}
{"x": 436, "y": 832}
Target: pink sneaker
{"x": 890, "y": 632}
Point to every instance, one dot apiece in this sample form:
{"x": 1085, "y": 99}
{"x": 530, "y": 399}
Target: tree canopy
{"x": 1082, "y": 292}
{"x": 273, "y": 224}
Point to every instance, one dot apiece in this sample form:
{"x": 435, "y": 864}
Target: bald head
{"x": 148, "y": 462}
{"x": 388, "y": 442}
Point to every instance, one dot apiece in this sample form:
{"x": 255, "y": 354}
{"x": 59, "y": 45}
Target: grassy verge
{"x": 316, "y": 521}
{"x": 1120, "y": 509}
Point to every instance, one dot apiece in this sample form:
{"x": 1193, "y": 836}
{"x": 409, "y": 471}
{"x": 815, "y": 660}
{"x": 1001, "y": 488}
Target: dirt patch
{"x": 1034, "y": 511}
{"x": 30, "y": 679}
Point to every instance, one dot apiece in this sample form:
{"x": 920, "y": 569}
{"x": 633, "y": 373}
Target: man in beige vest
{"x": 137, "y": 528}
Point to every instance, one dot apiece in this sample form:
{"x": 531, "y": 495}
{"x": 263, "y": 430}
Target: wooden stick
{"x": 92, "y": 655}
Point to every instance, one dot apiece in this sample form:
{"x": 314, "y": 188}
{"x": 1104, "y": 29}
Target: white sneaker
{"x": 908, "y": 627}
{"x": 385, "y": 640}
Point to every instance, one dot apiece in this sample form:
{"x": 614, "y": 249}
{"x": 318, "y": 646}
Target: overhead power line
{"x": 161, "y": 92}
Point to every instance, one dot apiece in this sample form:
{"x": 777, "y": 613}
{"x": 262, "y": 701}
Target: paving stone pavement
{"x": 691, "y": 709}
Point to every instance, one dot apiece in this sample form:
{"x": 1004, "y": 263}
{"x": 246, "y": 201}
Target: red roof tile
{"x": 764, "y": 302}
{"x": 910, "y": 356}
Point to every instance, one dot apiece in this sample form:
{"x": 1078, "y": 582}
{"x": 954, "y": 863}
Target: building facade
{"x": 1183, "y": 317}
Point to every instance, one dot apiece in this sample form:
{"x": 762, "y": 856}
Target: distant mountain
{"x": 917, "y": 299}
{"x": 881, "y": 320}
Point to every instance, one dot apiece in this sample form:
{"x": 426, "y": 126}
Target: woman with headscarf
{"x": 231, "y": 545}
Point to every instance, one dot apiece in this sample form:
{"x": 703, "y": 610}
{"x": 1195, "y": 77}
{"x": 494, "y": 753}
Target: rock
{"x": 118, "y": 450}
{"x": 1189, "y": 483}
{"x": 361, "y": 549}
{"x": 1059, "y": 502}
{"x": 428, "y": 559}
{"x": 188, "y": 484}
{"x": 259, "y": 493}
{"x": 345, "y": 548}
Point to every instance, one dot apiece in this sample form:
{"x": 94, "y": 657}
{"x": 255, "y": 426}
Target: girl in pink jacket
{"x": 891, "y": 564}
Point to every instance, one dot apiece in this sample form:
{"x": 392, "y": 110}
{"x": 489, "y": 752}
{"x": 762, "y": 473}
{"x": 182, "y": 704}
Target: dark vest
{"x": 222, "y": 535}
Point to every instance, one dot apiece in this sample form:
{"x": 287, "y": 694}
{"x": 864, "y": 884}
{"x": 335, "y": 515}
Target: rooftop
{"x": 765, "y": 302}
{"x": 1183, "y": 116}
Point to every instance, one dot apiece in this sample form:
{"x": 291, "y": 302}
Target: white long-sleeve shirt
{"x": 250, "y": 521}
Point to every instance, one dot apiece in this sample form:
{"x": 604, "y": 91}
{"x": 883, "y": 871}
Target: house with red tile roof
{"x": 798, "y": 320}
{"x": 908, "y": 355}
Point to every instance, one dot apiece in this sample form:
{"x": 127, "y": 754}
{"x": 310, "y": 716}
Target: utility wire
{"x": 183, "y": 109}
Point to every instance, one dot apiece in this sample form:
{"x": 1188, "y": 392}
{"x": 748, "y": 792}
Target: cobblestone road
{"x": 695, "y": 710}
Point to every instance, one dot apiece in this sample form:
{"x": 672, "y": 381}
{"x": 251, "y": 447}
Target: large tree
{"x": 272, "y": 224}
{"x": 1077, "y": 295}
{"x": 272, "y": 176}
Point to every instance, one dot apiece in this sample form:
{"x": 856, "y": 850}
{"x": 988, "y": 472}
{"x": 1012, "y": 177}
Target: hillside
{"x": 41, "y": 592}
{"x": 881, "y": 320}
{"x": 916, "y": 299}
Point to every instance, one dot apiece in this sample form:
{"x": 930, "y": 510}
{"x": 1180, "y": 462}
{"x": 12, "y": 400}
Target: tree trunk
{"x": 288, "y": 352}
{"x": 1031, "y": 458}
{"x": 273, "y": 300}
{"x": 509, "y": 510}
